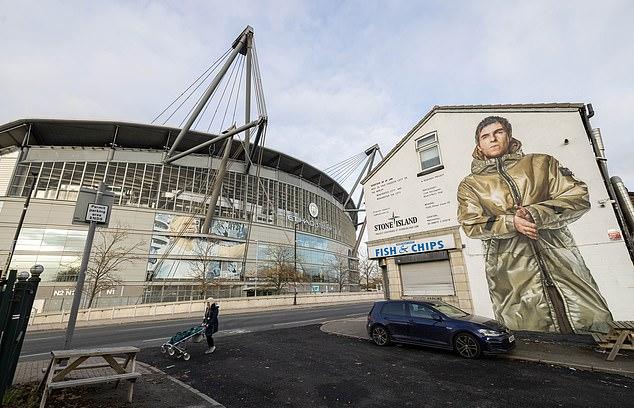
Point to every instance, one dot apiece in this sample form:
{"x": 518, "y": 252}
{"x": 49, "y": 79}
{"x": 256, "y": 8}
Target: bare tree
{"x": 341, "y": 270}
{"x": 202, "y": 265}
{"x": 67, "y": 273}
{"x": 377, "y": 281}
{"x": 369, "y": 271}
{"x": 279, "y": 269}
{"x": 109, "y": 255}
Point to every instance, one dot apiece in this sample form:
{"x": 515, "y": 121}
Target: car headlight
{"x": 489, "y": 332}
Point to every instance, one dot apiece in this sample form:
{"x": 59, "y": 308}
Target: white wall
{"x": 7, "y": 165}
{"x": 541, "y": 131}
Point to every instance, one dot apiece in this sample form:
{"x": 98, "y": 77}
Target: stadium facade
{"x": 283, "y": 203}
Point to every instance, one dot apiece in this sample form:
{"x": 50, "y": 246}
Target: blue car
{"x": 437, "y": 324}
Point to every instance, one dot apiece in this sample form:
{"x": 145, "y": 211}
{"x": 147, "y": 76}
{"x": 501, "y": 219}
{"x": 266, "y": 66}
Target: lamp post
{"x": 257, "y": 250}
{"x": 295, "y": 265}
{"x": 20, "y": 223}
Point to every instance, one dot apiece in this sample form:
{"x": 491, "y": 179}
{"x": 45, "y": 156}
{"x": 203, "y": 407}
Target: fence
{"x": 183, "y": 292}
{"x": 151, "y": 311}
{"x": 16, "y": 302}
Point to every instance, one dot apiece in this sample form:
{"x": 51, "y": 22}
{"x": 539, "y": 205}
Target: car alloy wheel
{"x": 467, "y": 346}
{"x": 380, "y": 336}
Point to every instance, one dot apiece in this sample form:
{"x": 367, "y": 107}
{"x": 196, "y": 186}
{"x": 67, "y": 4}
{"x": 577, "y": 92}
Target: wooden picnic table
{"x": 57, "y": 372}
{"x": 620, "y": 337}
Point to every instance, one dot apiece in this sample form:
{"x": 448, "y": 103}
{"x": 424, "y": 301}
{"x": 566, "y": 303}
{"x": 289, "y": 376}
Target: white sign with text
{"x": 97, "y": 213}
{"x": 412, "y": 247}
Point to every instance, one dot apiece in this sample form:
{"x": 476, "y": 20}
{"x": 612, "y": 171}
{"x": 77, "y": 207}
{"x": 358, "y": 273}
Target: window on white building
{"x": 429, "y": 153}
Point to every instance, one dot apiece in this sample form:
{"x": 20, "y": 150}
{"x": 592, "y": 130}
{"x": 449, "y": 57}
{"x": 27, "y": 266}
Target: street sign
{"x": 87, "y": 199}
{"x": 97, "y": 213}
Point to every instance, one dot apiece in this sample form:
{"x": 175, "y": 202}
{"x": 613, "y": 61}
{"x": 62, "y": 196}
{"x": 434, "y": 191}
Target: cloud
{"x": 338, "y": 76}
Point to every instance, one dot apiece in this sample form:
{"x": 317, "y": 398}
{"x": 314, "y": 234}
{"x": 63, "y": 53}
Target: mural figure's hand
{"x": 523, "y": 213}
{"x": 525, "y": 227}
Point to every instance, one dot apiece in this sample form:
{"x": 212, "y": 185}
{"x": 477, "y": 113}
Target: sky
{"x": 338, "y": 76}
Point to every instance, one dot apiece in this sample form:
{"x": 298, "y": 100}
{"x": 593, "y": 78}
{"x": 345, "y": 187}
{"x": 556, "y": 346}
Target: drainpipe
{"x": 624, "y": 200}
{"x": 599, "y": 150}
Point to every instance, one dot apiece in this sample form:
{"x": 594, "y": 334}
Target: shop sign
{"x": 412, "y": 247}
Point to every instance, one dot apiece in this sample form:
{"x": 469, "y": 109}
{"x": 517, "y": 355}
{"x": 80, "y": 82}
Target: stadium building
{"x": 283, "y": 205}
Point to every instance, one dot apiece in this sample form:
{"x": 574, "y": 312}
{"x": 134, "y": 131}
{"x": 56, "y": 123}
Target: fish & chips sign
{"x": 412, "y": 247}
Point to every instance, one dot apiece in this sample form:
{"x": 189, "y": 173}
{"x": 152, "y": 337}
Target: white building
{"x": 412, "y": 209}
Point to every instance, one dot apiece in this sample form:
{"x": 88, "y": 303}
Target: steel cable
{"x": 211, "y": 67}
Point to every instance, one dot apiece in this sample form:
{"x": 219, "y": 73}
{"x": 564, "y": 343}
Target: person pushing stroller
{"x": 211, "y": 323}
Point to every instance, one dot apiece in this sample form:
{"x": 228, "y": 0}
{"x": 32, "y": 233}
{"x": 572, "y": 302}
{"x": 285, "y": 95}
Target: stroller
{"x": 171, "y": 347}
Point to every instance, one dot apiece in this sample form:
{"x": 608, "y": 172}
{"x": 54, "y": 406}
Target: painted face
{"x": 493, "y": 141}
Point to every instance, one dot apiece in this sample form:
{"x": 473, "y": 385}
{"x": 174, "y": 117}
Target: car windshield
{"x": 449, "y": 310}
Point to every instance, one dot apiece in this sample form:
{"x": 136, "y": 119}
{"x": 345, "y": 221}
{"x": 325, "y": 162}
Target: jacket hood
{"x": 480, "y": 163}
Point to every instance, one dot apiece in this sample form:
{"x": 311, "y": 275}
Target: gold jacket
{"x": 519, "y": 269}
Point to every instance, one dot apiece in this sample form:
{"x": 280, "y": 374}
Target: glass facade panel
{"x": 315, "y": 256}
{"x": 183, "y": 189}
{"x": 51, "y": 240}
{"x": 57, "y": 268}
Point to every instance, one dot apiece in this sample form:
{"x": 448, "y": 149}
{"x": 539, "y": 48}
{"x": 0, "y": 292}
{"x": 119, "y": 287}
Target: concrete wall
{"x": 160, "y": 311}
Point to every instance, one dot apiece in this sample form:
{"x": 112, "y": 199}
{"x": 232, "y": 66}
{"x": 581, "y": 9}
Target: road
{"x": 305, "y": 367}
{"x": 37, "y": 345}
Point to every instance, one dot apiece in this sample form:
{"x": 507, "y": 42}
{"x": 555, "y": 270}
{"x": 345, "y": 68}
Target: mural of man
{"x": 519, "y": 206}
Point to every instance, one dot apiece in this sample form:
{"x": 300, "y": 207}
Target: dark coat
{"x": 211, "y": 319}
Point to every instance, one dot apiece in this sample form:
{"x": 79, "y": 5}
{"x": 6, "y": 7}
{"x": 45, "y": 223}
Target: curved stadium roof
{"x": 62, "y": 132}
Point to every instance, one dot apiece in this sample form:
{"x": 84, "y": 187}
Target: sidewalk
{"x": 155, "y": 389}
{"x": 574, "y": 351}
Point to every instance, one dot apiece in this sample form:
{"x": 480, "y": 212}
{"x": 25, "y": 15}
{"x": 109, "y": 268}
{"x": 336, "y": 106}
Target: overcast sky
{"x": 338, "y": 76}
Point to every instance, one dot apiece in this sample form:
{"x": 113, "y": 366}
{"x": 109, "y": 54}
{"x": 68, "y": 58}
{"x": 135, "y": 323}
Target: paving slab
{"x": 154, "y": 389}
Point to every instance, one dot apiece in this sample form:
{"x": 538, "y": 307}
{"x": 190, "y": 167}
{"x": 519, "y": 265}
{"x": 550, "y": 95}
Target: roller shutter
{"x": 427, "y": 278}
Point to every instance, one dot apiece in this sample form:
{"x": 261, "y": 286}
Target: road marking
{"x": 156, "y": 339}
{"x": 232, "y": 332}
{"x": 213, "y": 402}
{"x": 355, "y": 315}
{"x": 152, "y": 327}
{"x": 321, "y": 319}
{"x": 35, "y": 355}
{"x": 45, "y": 338}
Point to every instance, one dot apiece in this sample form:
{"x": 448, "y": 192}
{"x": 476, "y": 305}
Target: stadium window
{"x": 428, "y": 151}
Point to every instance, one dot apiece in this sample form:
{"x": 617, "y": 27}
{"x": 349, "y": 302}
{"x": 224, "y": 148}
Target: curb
{"x": 582, "y": 367}
{"x": 191, "y": 389}
{"x": 576, "y": 366}
{"x": 351, "y": 336}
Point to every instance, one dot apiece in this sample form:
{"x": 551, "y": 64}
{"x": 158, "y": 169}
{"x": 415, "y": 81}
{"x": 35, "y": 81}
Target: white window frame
{"x": 427, "y": 146}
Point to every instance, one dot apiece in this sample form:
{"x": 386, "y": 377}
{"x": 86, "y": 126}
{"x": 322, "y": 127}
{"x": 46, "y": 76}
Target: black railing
{"x": 16, "y": 302}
